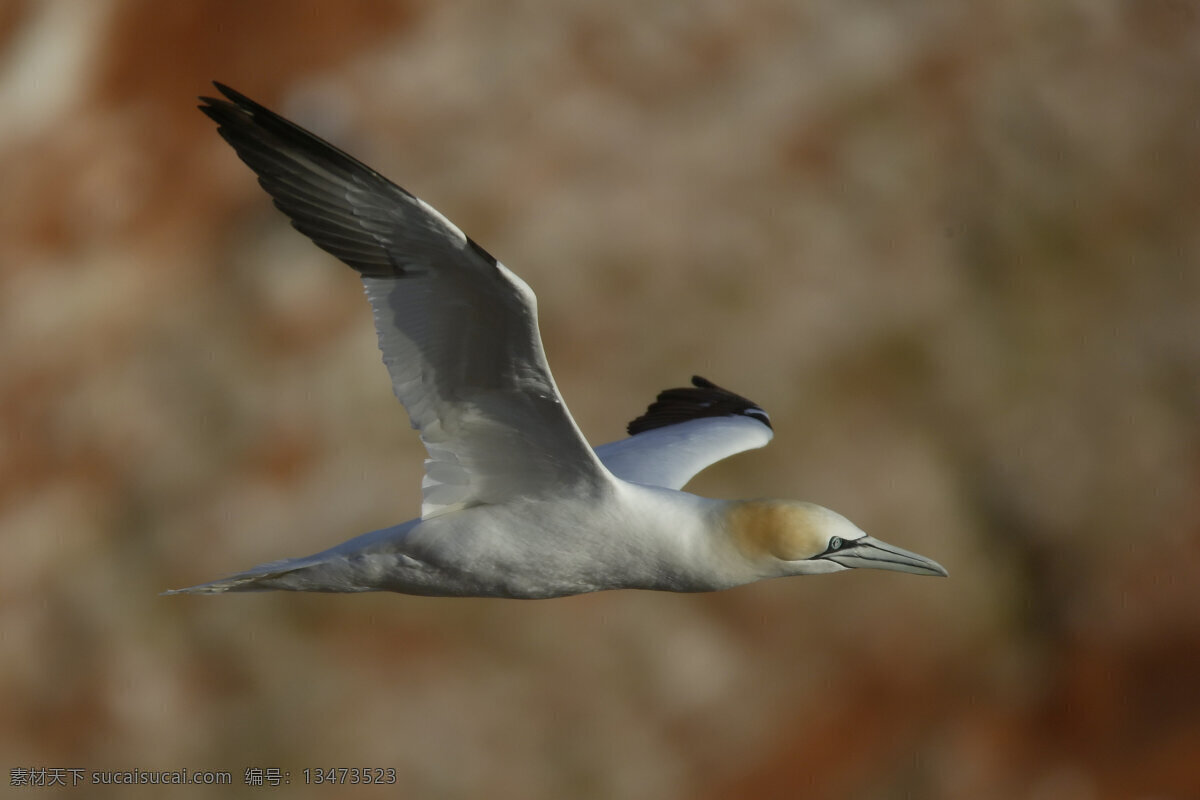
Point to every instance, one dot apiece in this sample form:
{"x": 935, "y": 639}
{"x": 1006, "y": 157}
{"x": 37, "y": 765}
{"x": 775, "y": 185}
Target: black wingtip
{"x": 233, "y": 95}
{"x": 311, "y": 181}
{"x": 702, "y": 399}
{"x": 235, "y": 101}
{"x": 229, "y": 94}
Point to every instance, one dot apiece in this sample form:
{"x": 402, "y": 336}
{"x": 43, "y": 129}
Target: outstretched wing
{"x": 458, "y": 330}
{"x": 683, "y": 431}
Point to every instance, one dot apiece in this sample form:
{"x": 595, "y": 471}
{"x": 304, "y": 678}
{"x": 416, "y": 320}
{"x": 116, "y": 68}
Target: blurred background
{"x": 952, "y": 248}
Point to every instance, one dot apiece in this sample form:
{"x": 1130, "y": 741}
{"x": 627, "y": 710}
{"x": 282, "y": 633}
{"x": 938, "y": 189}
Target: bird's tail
{"x": 290, "y": 574}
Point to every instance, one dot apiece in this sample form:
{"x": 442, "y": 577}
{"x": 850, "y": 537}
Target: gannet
{"x": 515, "y": 503}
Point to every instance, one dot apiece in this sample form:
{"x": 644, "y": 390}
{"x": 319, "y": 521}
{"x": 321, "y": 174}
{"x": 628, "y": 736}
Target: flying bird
{"x": 515, "y": 503}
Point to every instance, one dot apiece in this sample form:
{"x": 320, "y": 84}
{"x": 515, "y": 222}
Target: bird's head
{"x": 789, "y": 537}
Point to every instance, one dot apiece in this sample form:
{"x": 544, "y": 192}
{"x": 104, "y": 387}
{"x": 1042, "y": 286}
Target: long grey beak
{"x": 870, "y": 553}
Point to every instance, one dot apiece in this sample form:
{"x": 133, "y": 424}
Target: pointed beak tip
{"x": 920, "y": 565}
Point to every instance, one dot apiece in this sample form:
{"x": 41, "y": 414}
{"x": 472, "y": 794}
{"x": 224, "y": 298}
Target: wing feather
{"x": 684, "y": 431}
{"x": 458, "y": 330}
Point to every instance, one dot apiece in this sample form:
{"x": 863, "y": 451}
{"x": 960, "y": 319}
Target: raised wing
{"x": 683, "y": 431}
{"x": 458, "y": 330}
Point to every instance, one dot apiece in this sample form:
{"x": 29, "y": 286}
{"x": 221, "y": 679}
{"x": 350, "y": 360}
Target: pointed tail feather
{"x": 255, "y": 580}
{"x": 289, "y": 574}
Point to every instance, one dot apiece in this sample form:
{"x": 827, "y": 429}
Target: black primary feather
{"x": 344, "y": 206}
{"x": 702, "y": 399}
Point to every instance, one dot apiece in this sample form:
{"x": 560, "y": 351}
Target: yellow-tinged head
{"x": 800, "y": 538}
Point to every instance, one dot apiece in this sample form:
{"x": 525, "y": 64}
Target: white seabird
{"x": 515, "y": 502}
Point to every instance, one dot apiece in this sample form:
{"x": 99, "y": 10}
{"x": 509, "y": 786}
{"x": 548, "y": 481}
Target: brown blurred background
{"x": 952, "y": 248}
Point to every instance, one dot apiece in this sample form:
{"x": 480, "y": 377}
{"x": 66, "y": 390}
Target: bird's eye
{"x": 835, "y": 543}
